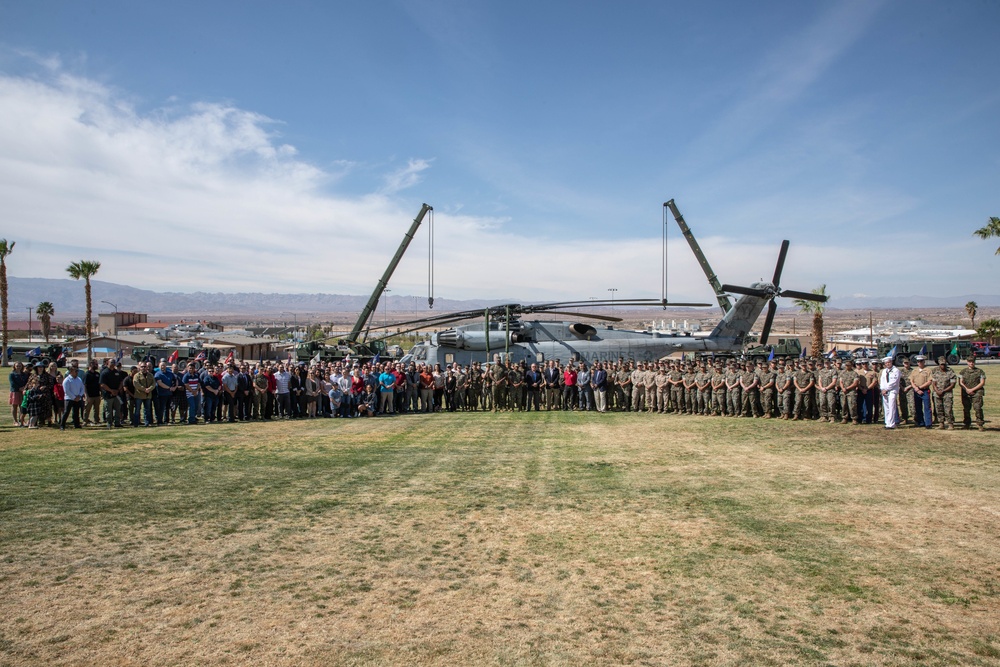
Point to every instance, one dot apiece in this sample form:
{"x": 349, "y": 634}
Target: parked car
{"x": 986, "y": 350}
{"x": 865, "y": 353}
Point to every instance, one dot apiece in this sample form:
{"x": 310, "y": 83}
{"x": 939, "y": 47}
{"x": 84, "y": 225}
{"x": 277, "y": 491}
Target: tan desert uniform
{"x": 920, "y": 377}
{"x": 676, "y": 389}
{"x": 972, "y": 401}
{"x": 662, "y": 389}
{"x": 638, "y": 388}
{"x": 650, "y": 379}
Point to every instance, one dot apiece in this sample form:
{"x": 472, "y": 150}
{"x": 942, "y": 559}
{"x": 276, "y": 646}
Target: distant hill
{"x": 67, "y": 297}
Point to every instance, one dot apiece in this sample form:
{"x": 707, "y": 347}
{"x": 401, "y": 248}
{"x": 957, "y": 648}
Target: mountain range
{"x": 67, "y": 297}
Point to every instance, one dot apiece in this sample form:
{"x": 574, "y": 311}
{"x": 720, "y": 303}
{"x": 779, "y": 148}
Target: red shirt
{"x": 357, "y": 385}
{"x": 400, "y": 379}
{"x": 569, "y": 377}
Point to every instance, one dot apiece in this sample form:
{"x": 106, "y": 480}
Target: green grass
{"x": 519, "y": 539}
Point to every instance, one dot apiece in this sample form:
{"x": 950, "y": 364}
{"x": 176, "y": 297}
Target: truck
{"x": 785, "y": 347}
{"x": 954, "y": 351}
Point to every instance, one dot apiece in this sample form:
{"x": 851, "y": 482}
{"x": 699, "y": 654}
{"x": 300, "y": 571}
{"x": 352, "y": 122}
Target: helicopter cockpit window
{"x": 420, "y": 353}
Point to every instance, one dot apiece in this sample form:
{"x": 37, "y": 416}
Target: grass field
{"x": 468, "y": 539}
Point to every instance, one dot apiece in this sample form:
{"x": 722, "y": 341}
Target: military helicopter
{"x": 515, "y": 332}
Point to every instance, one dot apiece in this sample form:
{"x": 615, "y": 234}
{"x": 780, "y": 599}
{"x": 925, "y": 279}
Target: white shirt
{"x": 888, "y": 379}
{"x": 73, "y": 388}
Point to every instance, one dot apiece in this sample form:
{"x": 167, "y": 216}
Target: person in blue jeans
{"x": 193, "y": 392}
{"x": 164, "y": 379}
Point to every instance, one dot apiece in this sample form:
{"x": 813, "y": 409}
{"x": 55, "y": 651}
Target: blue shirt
{"x": 386, "y": 382}
{"x": 167, "y": 378}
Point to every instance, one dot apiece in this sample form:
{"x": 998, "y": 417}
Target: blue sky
{"x": 257, "y": 146}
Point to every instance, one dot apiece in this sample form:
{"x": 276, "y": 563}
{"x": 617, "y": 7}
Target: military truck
{"x": 361, "y": 352}
{"x": 46, "y": 353}
{"x": 157, "y": 353}
{"x": 785, "y": 347}
{"x": 954, "y": 351}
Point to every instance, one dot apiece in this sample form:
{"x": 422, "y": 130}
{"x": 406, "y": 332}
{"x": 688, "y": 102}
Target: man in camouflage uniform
{"x": 973, "y": 383}
{"x": 905, "y": 391}
{"x": 849, "y": 381}
{"x": 498, "y": 376}
{"x": 804, "y": 380}
{"x": 766, "y": 380}
{"x": 650, "y": 380}
{"x": 826, "y": 383}
{"x": 259, "y": 395}
{"x": 676, "y": 380}
{"x": 690, "y": 388}
{"x": 515, "y": 387}
{"x": 703, "y": 385}
{"x": 749, "y": 388}
{"x": 785, "y": 390}
{"x": 638, "y": 377}
{"x": 734, "y": 394}
{"x": 943, "y": 381}
{"x": 719, "y": 390}
{"x": 662, "y": 388}
{"x": 623, "y": 388}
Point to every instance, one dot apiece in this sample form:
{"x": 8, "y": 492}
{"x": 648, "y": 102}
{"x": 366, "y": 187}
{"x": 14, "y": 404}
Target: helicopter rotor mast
{"x": 369, "y": 308}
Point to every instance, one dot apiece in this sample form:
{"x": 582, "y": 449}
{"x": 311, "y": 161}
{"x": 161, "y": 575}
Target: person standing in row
{"x": 888, "y": 384}
{"x": 972, "y": 381}
{"x": 943, "y": 381}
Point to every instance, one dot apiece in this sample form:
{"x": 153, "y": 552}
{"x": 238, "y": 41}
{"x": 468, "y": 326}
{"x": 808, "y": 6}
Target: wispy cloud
{"x": 405, "y": 177}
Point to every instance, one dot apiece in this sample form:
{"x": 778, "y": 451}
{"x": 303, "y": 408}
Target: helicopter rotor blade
{"x": 805, "y": 296}
{"x": 748, "y": 291}
{"x": 606, "y": 318}
{"x": 772, "y": 307}
{"x": 781, "y": 263}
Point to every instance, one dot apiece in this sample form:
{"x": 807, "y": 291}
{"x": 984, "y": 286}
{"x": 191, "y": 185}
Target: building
{"x": 111, "y": 323}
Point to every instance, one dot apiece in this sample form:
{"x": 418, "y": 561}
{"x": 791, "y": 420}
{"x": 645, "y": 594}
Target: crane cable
{"x": 430, "y": 259}
{"x": 664, "y": 286}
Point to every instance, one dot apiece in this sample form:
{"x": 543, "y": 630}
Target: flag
{"x": 770, "y": 357}
{"x": 832, "y": 355}
{"x": 347, "y": 358}
{"x": 62, "y": 355}
{"x": 200, "y": 357}
{"x": 923, "y": 350}
{"x": 893, "y": 351}
{"x": 229, "y": 357}
{"x": 375, "y": 359}
{"x": 803, "y": 355}
{"x": 174, "y": 356}
{"x": 119, "y": 355}
{"x": 954, "y": 349}
{"x": 316, "y": 358}
{"x": 36, "y": 352}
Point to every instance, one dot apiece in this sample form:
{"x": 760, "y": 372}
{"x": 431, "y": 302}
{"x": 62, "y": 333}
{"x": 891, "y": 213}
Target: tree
{"x": 991, "y": 230}
{"x": 44, "y": 311}
{"x": 971, "y": 308}
{"x": 989, "y": 330}
{"x": 5, "y": 249}
{"x": 815, "y": 308}
{"x": 85, "y": 269}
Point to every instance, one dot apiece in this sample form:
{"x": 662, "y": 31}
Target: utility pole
{"x": 612, "y": 290}
{"x": 117, "y": 346}
{"x": 29, "y": 323}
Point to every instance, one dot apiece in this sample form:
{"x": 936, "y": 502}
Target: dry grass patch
{"x": 500, "y": 539}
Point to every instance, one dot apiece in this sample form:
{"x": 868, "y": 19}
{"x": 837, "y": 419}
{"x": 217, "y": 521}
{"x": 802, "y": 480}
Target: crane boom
{"x": 713, "y": 280}
{"x": 384, "y": 280}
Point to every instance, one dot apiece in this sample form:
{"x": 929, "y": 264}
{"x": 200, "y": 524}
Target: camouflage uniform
{"x": 826, "y": 382}
{"x": 943, "y": 381}
{"x": 784, "y": 390}
{"x": 623, "y": 389}
{"x": 515, "y": 388}
{"x": 849, "y": 393}
{"x": 804, "y": 379}
{"x": 905, "y": 392}
{"x": 766, "y": 379}
{"x": 734, "y": 393}
{"x": 750, "y": 391}
{"x": 638, "y": 378}
{"x": 662, "y": 389}
{"x": 719, "y": 391}
{"x": 703, "y": 382}
{"x": 676, "y": 388}
{"x": 972, "y": 402}
{"x": 690, "y": 391}
{"x": 498, "y": 374}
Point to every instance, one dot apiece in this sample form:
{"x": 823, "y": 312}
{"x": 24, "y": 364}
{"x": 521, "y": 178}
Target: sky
{"x": 286, "y": 147}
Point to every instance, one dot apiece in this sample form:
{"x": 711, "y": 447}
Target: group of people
{"x": 828, "y": 390}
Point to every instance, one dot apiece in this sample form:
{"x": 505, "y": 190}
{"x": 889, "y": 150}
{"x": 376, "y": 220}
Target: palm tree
{"x": 971, "y": 309}
{"x": 991, "y": 229}
{"x": 5, "y": 249}
{"x": 815, "y": 308}
{"x": 989, "y": 330}
{"x": 44, "y": 312}
{"x": 85, "y": 269}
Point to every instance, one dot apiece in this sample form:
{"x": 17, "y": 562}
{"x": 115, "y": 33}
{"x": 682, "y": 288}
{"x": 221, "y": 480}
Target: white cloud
{"x": 208, "y": 198}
